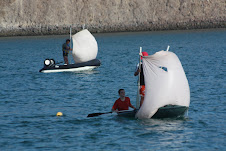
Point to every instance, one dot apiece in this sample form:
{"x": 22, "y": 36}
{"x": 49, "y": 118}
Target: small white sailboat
{"x": 84, "y": 53}
{"x": 167, "y": 93}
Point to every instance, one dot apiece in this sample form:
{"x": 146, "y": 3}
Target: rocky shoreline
{"x": 62, "y": 30}
{"x": 32, "y": 18}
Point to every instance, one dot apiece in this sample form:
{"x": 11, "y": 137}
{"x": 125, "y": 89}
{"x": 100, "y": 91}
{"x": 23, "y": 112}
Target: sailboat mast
{"x": 70, "y": 43}
{"x": 138, "y": 83}
{"x": 168, "y": 48}
{"x": 70, "y": 36}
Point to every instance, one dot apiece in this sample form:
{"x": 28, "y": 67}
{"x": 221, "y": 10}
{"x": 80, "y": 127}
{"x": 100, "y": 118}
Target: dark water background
{"x": 29, "y": 100}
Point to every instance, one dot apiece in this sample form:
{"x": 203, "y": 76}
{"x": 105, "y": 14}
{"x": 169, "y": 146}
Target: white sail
{"x": 165, "y": 83}
{"x": 84, "y": 46}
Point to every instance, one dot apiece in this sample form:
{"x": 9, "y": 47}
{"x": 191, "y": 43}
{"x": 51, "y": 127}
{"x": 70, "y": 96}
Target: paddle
{"x": 97, "y": 114}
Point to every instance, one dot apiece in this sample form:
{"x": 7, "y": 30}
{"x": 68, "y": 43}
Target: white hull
{"x": 70, "y": 70}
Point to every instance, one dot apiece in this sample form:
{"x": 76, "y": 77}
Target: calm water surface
{"x": 29, "y": 100}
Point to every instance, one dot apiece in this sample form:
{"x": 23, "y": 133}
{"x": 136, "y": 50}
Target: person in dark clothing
{"x": 66, "y": 48}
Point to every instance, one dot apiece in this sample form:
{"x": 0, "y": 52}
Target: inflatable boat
{"x": 50, "y": 66}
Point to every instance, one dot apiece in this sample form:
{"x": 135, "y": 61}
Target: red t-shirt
{"x": 122, "y": 105}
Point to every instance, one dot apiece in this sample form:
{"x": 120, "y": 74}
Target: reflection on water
{"x": 163, "y": 124}
{"x": 85, "y": 73}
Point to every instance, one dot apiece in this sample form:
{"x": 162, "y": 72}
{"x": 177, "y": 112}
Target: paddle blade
{"x": 97, "y": 114}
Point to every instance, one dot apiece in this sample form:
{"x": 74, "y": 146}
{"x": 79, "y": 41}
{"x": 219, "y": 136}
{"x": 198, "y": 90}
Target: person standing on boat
{"x": 142, "y": 83}
{"x": 66, "y": 48}
{"x": 122, "y": 103}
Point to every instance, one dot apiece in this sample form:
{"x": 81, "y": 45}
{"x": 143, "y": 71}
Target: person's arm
{"x": 68, "y": 47}
{"x": 138, "y": 69}
{"x": 114, "y": 107}
{"x": 130, "y": 105}
{"x": 64, "y": 47}
{"x": 113, "y": 110}
{"x": 137, "y": 72}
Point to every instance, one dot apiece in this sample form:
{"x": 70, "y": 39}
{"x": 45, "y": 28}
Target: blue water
{"x": 29, "y": 100}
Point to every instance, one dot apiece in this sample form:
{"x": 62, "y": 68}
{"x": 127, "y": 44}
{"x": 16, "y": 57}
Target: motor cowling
{"x": 49, "y": 62}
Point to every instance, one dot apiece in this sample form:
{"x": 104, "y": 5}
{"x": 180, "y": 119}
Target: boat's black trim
{"x": 168, "y": 111}
{"x": 128, "y": 113}
{"x": 94, "y": 62}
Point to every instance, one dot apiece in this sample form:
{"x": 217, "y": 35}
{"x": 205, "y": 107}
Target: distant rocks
{"x": 53, "y": 17}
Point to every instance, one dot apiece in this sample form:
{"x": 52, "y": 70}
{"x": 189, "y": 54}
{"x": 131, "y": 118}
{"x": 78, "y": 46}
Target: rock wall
{"x": 44, "y": 17}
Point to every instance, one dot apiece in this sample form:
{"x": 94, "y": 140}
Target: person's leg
{"x": 65, "y": 59}
{"x": 141, "y": 100}
{"x": 142, "y": 94}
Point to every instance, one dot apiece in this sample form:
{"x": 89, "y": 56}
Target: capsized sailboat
{"x": 84, "y": 53}
{"x": 167, "y": 93}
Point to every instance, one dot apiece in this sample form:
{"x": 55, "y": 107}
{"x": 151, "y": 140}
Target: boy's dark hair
{"x": 120, "y": 90}
{"x": 68, "y": 40}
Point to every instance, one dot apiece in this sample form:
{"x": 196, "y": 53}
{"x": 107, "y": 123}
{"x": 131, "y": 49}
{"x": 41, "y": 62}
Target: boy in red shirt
{"x": 122, "y": 103}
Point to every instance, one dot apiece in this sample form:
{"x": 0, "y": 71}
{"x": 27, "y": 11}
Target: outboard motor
{"x": 49, "y": 62}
